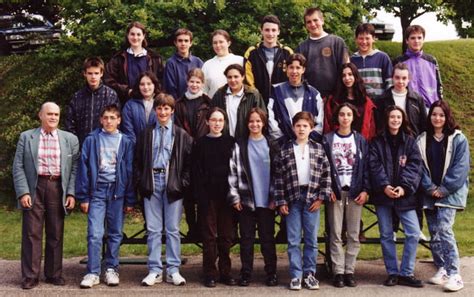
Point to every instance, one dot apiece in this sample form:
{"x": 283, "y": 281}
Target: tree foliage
{"x": 97, "y": 28}
{"x": 461, "y": 13}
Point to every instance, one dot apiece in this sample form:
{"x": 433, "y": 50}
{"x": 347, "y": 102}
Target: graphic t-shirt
{"x": 344, "y": 152}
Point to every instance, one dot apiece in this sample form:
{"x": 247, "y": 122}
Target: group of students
{"x": 283, "y": 131}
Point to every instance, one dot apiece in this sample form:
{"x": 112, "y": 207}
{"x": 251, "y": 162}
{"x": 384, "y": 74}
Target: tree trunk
{"x": 405, "y": 20}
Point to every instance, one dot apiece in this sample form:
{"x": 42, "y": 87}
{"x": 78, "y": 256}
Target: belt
{"x": 159, "y": 170}
{"x": 50, "y": 177}
{"x": 303, "y": 188}
{"x": 346, "y": 188}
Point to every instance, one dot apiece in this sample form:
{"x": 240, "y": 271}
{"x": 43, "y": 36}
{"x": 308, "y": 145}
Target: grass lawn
{"x": 75, "y": 243}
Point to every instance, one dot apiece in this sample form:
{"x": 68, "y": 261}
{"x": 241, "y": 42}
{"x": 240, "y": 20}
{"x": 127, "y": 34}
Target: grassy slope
{"x": 456, "y": 64}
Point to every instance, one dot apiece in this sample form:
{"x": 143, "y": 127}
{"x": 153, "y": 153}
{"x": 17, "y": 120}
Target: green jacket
{"x": 25, "y": 164}
{"x": 250, "y": 99}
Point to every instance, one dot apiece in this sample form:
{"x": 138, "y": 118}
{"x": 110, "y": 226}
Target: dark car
{"x": 383, "y": 31}
{"x": 23, "y": 32}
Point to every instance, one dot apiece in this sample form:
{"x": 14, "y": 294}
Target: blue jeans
{"x": 158, "y": 210}
{"x": 102, "y": 207}
{"x": 411, "y": 226}
{"x": 301, "y": 219}
{"x": 443, "y": 244}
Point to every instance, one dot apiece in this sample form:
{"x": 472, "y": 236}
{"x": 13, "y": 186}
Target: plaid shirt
{"x": 287, "y": 188}
{"x": 49, "y": 154}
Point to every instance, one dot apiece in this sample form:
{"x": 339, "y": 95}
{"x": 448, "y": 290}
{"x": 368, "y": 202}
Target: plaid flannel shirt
{"x": 286, "y": 175}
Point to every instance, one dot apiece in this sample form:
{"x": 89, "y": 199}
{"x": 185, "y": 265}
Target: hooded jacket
{"x": 455, "y": 181}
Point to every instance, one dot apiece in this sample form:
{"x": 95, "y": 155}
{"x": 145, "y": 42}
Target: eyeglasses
{"x": 216, "y": 120}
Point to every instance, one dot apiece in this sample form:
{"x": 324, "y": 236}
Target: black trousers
{"x": 263, "y": 220}
{"x": 217, "y": 237}
{"x": 47, "y": 211}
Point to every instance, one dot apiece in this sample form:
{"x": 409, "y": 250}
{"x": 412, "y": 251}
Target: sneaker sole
{"x": 88, "y": 287}
{"x": 112, "y": 284}
{"x": 452, "y": 290}
{"x": 173, "y": 283}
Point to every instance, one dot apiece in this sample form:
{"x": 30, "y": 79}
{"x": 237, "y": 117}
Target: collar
{"x": 411, "y": 54}
{"x": 98, "y": 88}
{"x": 373, "y": 52}
{"x": 44, "y": 133}
{"x": 143, "y": 53}
{"x": 239, "y": 93}
{"x": 181, "y": 58}
{"x": 167, "y": 126}
{"x": 324, "y": 34}
{"x": 113, "y": 133}
{"x": 191, "y": 96}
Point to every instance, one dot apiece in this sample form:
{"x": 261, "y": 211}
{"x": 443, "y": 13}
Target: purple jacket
{"x": 425, "y": 76}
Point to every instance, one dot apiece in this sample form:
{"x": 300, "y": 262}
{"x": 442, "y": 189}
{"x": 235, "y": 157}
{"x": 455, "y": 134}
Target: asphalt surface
{"x": 369, "y": 274}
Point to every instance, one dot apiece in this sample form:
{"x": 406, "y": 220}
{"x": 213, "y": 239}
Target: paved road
{"x": 370, "y": 275}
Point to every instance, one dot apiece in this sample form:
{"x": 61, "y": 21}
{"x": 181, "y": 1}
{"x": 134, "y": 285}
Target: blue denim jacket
{"x": 88, "y": 169}
{"x": 455, "y": 181}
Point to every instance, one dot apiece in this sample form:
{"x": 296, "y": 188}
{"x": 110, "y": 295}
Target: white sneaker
{"x": 423, "y": 237}
{"x": 310, "y": 282}
{"x": 454, "y": 283}
{"x": 111, "y": 277}
{"x": 89, "y": 281}
{"x": 295, "y": 284}
{"x": 152, "y": 278}
{"x": 175, "y": 279}
{"x": 440, "y": 278}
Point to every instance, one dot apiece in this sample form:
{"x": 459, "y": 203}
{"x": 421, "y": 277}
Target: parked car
{"x": 383, "y": 31}
{"x": 23, "y": 32}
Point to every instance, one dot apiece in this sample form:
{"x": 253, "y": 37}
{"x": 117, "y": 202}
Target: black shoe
{"x": 29, "y": 283}
{"x": 338, "y": 281}
{"x": 349, "y": 280}
{"x": 227, "y": 280}
{"x": 410, "y": 281}
{"x": 210, "y": 282}
{"x": 392, "y": 280}
{"x": 272, "y": 280}
{"x": 244, "y": 281}
{"x": 57, "y": 281}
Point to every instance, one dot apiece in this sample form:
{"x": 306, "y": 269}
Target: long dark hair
{"x": 136, "y": 88}
{"x": 405, "y": 127}
{"x": 358, "y": 87}
{"x": 450, "y": 124}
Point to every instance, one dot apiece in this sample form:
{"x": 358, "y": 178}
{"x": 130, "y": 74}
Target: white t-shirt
{"x": 400, "y": 99}
{"x": 344, "y": 154}
{"x": 214, "y": 72}
{"x": 302, "y": 164}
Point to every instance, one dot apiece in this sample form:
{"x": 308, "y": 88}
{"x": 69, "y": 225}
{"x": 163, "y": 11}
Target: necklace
{"x": 438, "y": 138}
{"x": 302, "y": 153}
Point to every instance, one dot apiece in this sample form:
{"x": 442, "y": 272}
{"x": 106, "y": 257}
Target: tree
{"x": 461, "y": 13}
{"x": 406, "y": 10}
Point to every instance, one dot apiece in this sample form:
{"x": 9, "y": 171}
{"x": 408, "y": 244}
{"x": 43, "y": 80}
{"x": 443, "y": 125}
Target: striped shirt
{"x": 49, "y": 154}
{"x": 375, "y": 70}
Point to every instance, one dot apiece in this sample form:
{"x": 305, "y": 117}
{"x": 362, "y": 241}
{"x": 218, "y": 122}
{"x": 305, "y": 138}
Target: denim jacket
{"x": 88, "y": 169}
{"x": 455, "y": 180}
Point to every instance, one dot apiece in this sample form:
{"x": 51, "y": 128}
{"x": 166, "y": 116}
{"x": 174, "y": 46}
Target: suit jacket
{"x": 25, "y": 164}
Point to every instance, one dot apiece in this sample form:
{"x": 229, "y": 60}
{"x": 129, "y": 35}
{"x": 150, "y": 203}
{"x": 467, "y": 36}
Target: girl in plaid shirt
{"x": 302, "y": 183}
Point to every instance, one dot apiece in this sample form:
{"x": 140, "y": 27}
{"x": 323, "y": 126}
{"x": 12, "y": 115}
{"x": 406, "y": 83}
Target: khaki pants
{"x": 344, "y": 262}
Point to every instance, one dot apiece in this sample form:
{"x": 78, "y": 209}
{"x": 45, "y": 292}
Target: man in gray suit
{"x": 44, "y": 173}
